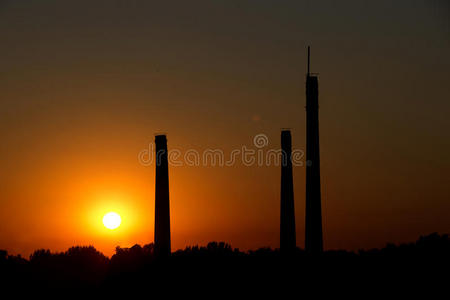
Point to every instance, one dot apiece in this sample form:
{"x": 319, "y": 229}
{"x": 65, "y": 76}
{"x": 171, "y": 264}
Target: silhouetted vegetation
{"x": 219, "y": 264}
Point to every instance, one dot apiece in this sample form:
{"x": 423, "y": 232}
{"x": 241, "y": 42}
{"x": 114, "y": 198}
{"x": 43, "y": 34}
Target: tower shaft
{"x": 162, "y": 205}
{"x": 313, "y": 224}
{"x": 287, "y": 218}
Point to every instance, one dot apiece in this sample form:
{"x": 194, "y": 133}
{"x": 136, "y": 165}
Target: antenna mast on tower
{"x": 309, "y": 56}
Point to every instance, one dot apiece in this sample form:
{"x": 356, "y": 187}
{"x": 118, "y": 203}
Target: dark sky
{"x": 84, "y": 85}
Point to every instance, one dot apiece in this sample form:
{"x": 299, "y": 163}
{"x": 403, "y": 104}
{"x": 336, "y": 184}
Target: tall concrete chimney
{"x": 162, "y": 205}
{"x": 313, "y": 226}
{"x": 287, "y": 217}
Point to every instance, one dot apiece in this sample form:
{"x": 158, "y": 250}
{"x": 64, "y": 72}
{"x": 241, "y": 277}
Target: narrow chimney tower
{"x": 287, "y": 218}
{"x": 162, "y": 206}
{"x": 313, "y": 226}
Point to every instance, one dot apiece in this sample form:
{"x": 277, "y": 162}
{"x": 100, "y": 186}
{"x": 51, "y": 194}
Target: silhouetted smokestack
{"x": 287, "y": 218}
{"x": 162, "y": 206}
{"x": 313, "y": 226}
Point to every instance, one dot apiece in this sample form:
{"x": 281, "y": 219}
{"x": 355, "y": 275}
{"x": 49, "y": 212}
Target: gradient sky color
{"x": 84, "y": 86}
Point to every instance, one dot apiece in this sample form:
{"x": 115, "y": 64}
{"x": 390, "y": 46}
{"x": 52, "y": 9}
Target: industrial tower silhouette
{"x": 162, "y": 205}
{"x": 313, "y": 220}
{"x": 287, "y": 218}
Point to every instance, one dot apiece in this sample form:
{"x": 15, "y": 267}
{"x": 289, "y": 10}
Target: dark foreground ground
{"x": 218, "y": 270}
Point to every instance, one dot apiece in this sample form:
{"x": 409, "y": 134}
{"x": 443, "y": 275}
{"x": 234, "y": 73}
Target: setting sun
{"x": 112, "y": 220}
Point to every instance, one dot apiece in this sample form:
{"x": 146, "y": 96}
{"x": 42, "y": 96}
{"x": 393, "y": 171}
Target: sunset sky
{"x": 85, "y": 86}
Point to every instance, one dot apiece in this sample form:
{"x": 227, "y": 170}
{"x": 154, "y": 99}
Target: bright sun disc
{"x": 112, "y": 220}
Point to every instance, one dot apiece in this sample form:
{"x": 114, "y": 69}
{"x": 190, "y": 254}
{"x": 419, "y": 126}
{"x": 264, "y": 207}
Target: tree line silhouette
{"x": 83, "y": 267}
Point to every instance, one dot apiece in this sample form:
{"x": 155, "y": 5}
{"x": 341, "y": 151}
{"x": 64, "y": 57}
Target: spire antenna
{"x": 309, "y": 57}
